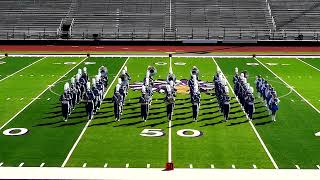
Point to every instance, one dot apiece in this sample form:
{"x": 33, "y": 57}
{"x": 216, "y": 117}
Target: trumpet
{"x": 152, "y": 70}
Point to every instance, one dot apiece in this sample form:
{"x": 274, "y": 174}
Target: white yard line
{"x": 233, "y": 166}
{"x": 22, "y": 69}
{"x": 253, "y": 127}
{"x": 190, "y": 166}
{"x": 308, "y": 64}
{"x": 84, "y": 165}
{"x": 255, "y": 167}
{"x": 105, "y": 165}
{"x": 1, "y": 163}
{"x": 87, "y": 125}
{"x": 288, "y": 86}
{"x": 127, "y": 165}
{"x": 33, "y": 99}
{"x": 148, "y": 166}
{"x": 297, "y": 166}
{"x": 170, "y": 125}
{"x": 318, "y": 166}
{"x": 212, "y": 166}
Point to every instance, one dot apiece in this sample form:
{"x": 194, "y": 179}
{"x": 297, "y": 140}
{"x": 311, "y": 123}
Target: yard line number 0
{"x": 160, "y": 132}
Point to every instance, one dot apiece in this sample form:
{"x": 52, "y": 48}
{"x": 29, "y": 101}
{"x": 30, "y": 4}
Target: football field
{"x": 30, "y": 88}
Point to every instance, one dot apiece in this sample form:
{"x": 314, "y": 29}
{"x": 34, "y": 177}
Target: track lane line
{"x": 87, "y": 125}
{"x": 289, "y": 86}
{"x": 251, "y": 124}
{"x": 308, "y": 64}
{"x": 22, "y": 69}
{"x": 33, "y": 99}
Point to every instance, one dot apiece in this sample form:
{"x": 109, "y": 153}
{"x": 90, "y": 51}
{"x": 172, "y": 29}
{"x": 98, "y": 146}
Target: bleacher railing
{"x": 220, "y": 34}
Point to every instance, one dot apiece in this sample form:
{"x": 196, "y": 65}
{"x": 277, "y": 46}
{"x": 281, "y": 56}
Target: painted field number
{"x": 318, "y": 134}
{"x": 152, "y": 133}
{"x": 15, "y": 131}
{"x": 160, "y": 132}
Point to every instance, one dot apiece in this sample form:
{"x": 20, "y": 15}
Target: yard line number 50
{"x": 160, "y": 132}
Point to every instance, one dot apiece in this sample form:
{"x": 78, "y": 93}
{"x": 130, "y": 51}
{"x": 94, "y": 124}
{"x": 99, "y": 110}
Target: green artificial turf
{"x": 315, "y": 62}
{"x": 18, "y": 90}
{"x": 50, "y": 139}
{"x": 119, "y": 143}
{"x": 222, "y": 144}
{"x": 290, "y": 140}
{"x": 9, "y": 65}
{"x": 302, "y": 77}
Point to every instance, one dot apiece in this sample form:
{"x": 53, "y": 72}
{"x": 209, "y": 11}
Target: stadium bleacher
{"x": 159, "y": 19}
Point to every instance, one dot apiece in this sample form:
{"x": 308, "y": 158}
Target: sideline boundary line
{"x": 49, "y": 86}
{"x": 308, "y": 64}
{"x": 253, "y": 127}
{"x": 22, "y": 69}
{"x": 87, "y": 125}
{"x": 288, "y": 86}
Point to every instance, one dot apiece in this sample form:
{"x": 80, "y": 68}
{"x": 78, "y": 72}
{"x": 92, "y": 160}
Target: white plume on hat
{"x": 117, "y": 87}
{"x": 125, "y": 68}
{"x": 226, "y": 89}
{"x": 93, "y": 82}
{"x": 88, "y": 85}
{"x": 236, "y": 70}
{"x": 241, "y": 75}
{"x": 119, "y": 81}
{"x": 80, "y": 72}
{"x": 85, "y": 69}
{"x": 251, "y": 90}
{"x": 72, "y": 80}
{"x": 66, "y": 86}
{"x": 78, "y": 77}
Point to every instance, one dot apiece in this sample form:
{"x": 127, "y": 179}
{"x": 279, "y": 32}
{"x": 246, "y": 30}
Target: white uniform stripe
{"x": 288, "y": 86}
{"x": 87, "y": 125}
{"x": 33, "y": 99}
{"x": 22, "y": 69}
{"x": 251, "y": 124}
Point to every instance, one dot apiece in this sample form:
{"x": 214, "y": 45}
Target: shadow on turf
{"x": 212, "y": 124}
{"x": 263, "y": 123}
{"x": 101, "y": 124}
{"x": 182, "y": 124}
{"x": 129, "y": 124}
{"x": 153, "y": 125}
{"x": 237, "y": 123}
{"x": 71, "y": 123}
{"x": 48, "y": 124}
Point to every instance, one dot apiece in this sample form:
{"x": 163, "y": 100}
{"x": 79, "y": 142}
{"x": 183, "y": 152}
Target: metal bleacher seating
{"x": 158, "y": 19}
